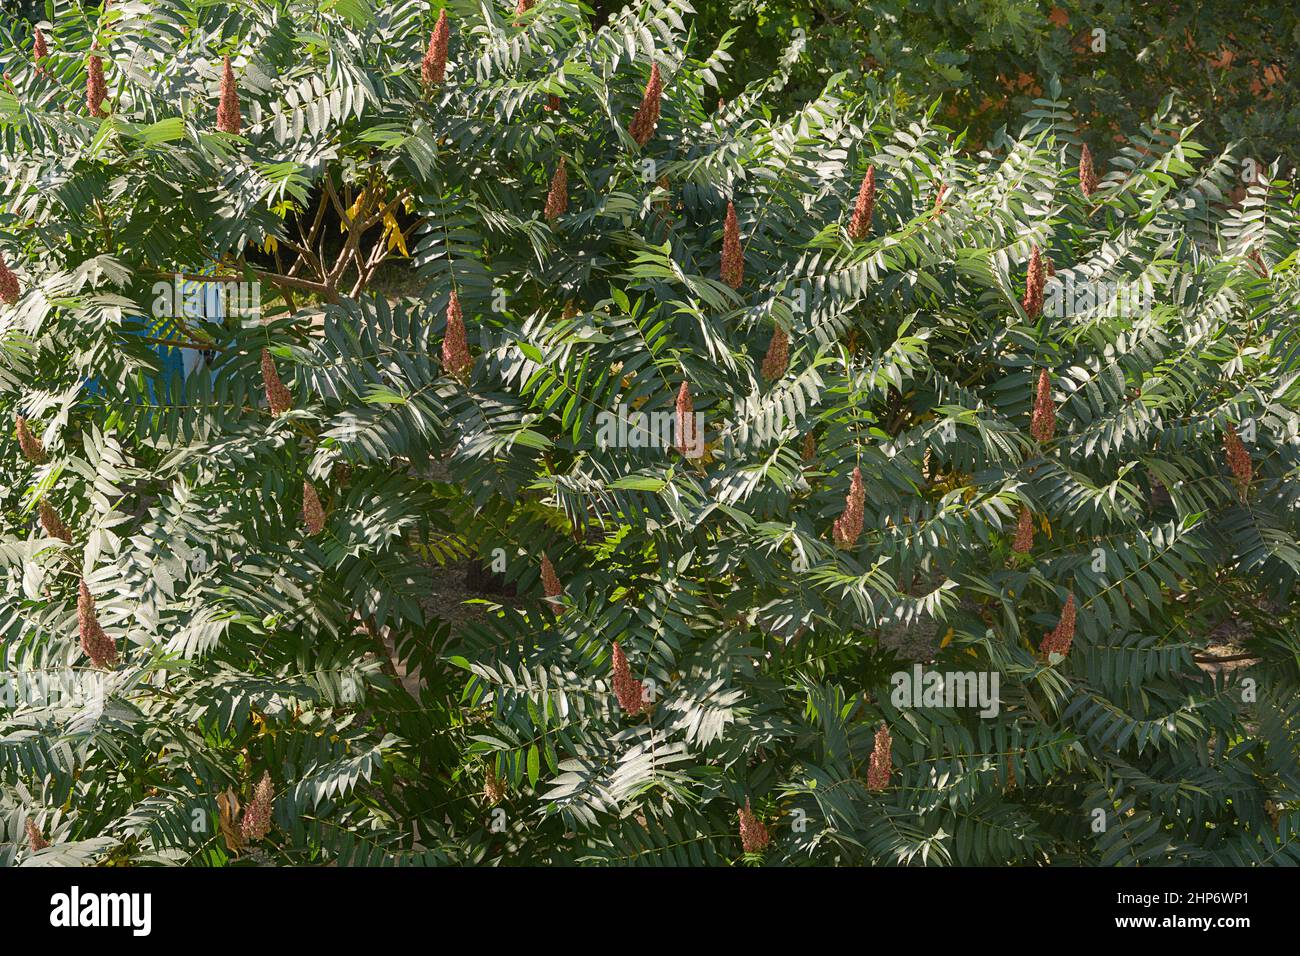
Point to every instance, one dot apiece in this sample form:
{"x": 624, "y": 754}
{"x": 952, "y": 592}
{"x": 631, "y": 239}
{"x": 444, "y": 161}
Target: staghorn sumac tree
{"x": 713, "y": 622}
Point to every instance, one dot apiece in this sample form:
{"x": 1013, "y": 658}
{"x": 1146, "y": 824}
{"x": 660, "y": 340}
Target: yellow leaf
{"x": 947, "y": 638}
{"x": 393, "y": 232}
{"x": 270, "y": 245}
{"x": 354, "y": 211}
{"x": 1047, "y": 527}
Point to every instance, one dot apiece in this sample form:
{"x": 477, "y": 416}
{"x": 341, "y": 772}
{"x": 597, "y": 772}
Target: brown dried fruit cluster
{"x": 455, "y": 347}
{"x": 1024, "y": 532}
{"x": 313, "y": 515}
{"x": 865, "y": 206}
{"x": 754, "y": 837}
{"x": 686, "y": 437}
{"x": 733, "y": 259}
{"x": 35, "y": 841}
{"x": 32, "y": 448}
{"x": 1058, "y": 641}
{"x": 494, "y": 788}
{"x": 96, "y": 88}
{"x": 228, "y": 118}
{"x": 39, "y": 50}
{"x": 51, "y": 523}
{"x": 1032, "y": 303}
{"x": 848, "y": 526}
{"x": 551, "y": 585}
{"x": 433, "y": 68}
{"x": 1243, "y": 470}
{"x": 1042, "y": 425}
{"x": 277, "y": 396}
{"x": 98, "y": 646}
{"x": 1087, "y": 174}
{"x": 557, "y": 197}
{"x": 629, "y": 691}
{"x": 9, "y": 290}
{"x": 881, "y": 764}
{"x": 643, "y": 123}
{"x": 777, "y": 359}
{"x": 257, "y": 815}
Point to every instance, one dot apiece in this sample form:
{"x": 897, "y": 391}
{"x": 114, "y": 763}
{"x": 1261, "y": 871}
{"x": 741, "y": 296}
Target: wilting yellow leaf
{"x": 947, "y": 638}
{"x": 270, "y": 245}
{"x": 393, "y": 233}
{"x": 227, "y": 814}
{"x": 354, "y": 211}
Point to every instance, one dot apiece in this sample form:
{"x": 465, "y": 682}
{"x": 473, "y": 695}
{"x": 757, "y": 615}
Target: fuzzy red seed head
{"x": 777, "y": 359}
{"x": 1024, "y": 532}
{"x": 96, "y": 88}
{"x": 848, "y": 526}
{"x": 9, "y": 289}
{"x": 1042, "y": 426}
{"x": 864, "y": 208}
{"x": 455, "y": 346}
{"x": 629, "y": 691}
{"x": 35, "y": 841}
{"x": 551, "y": 584}
{"x": 733, "y": 259}
{"x": 51, "y": 524}
{"x": 228, "y": 117}
{"x": 1058, "y": 640}
{"x": 313, "y": 514}
{"x": 1087, "y": 174}
{"x": 277, "y": 396}
{"x": 754, "y": 837}
{"x": 98, "y": 646}
{"x": 31, "y": 446}
{"x": 882, "y": 761}
{"x": 1243, "y": 469}
{"x": 256, "y": 822}
{"x": 1034, "y": 282}
{"x": 557, "y": 197}
{"x": 643, "y": 123}
{"x": 433, "y": 68}
{"x": 687, "y": 439}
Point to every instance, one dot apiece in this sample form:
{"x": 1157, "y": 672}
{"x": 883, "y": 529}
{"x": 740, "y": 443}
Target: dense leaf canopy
{"x": 764, "y": 632}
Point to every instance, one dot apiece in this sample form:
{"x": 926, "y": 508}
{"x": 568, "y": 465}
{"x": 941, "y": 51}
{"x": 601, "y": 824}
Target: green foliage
{"x": 248, "y": 645}
{"x": 1228, "y": 64}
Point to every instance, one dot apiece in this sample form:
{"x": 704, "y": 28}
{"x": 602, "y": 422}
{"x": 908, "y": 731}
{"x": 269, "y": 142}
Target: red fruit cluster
{"x": 733, "y": 259}
{"x": 313, "y": 515}
{"x": 455, "y": 347}
{"x": 881, "y": 764}
{"x": 277, "y": 396}
{"x": 1058, "y": 641}
{"x": 1034, "y": 281}
{"x": 96, "y": 88}
{"x": 1243, "y": 469}
{"x": 257, "y": 815}
{"x": 433, "y": 68}
{"x": 557, "y": 197}
{"x": 9, "y": 290}
{"x": 754, "y": 837}
{"x": 1024, "y": 532}
{"x": 228, "y": 118}
{"x": 777, "y": 359}
{"x": 848, "y": 526}
{"x": 51, "y": 524}
{"x": 1042, "y": 426}
{"x": 865, "y": 206}
{"x": 32, "y": 448}
{"x": 1087, "y": 174}
{"x": 643, "y": 123}
{"x": 551, "y": 585}
{"x": 629, "y": 691}
{"x": 99, "y": 647}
